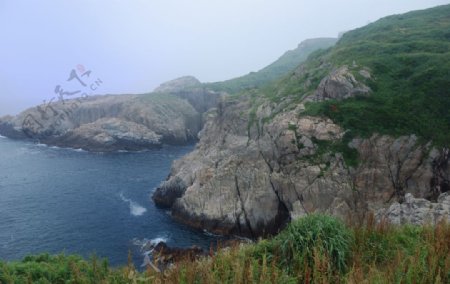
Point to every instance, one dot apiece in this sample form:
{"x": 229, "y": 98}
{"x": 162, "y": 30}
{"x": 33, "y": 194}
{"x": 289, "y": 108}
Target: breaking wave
{"x": 135, "y": 208}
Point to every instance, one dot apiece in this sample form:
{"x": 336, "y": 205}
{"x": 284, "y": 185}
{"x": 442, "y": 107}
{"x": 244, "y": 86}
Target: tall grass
{"x": 315, "y": 249}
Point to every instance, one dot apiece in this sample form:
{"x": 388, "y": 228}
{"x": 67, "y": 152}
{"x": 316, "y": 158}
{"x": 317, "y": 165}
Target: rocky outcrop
{"x": 193, "y": 91}
{"x": 341, "y": 84}
{"x": 181, "y": 84}
{"x": 122, "y": 122}
{"x": 256, "y": 168}
{"x": 169, "y": 191}
{"x": 109, "y": 134}
{"x": 164, "y": 255}
{"x": 417, "y": 211}
{"x": 236, "y": 184}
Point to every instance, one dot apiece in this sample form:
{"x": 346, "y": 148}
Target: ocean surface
{"x": 70, "y": 201}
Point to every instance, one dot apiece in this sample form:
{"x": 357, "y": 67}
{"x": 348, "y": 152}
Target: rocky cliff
{"x": 346, "y": 133}
{"x": 122, "y": 122}
{"x": 250, "y": 180}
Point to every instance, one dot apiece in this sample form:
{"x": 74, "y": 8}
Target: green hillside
{"x": 286, "y": 63}
{"x": 409, "y": 59}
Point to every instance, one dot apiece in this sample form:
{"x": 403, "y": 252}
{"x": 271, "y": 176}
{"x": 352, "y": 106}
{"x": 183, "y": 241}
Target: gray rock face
{"x": 169, "y": 191}
{"x": 417, "y": 211}
{"x": 236, "y": 184}
{"x": 250, "y": 175}
{"x": 124, "y": 122}
{"x": 340, "y": 84}
{"x": 110, "y": 134}
{"x": 193, "y": 91}
{"x": 109, "y": 123}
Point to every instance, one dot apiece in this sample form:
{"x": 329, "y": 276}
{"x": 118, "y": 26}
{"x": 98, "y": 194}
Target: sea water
{"x": 68, "y": 201}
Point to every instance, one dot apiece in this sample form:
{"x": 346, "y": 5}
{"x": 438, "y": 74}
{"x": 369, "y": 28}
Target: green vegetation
{"x": 59, "y": 269}
{"x": 285, "y": 64}
{"x": 409, "y": 59}
{"x": 302, "y": 81}
{"x": 314, "y": 249}
{"x": 327, "y": 147}
{"x": 315, "y": 234}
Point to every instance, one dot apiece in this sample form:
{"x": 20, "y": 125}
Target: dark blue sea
{"x": 70, "y": 201}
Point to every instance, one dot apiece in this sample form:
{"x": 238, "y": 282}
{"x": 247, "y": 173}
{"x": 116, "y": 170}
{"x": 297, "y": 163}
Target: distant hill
{"x": 286, "y": 63}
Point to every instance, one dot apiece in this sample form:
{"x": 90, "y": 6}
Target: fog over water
{"x": 133, "y": 46}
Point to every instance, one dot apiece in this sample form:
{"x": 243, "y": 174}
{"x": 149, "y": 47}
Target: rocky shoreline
{"x": 172, "y": 114}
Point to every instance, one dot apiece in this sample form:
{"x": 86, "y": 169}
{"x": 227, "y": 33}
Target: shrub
{"x": 313, "y": 236}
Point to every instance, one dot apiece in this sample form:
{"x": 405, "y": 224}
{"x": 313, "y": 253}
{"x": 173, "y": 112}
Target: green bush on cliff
{"x": 312, "y": 236}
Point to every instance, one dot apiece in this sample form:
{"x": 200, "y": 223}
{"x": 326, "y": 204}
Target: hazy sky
{"x": 133, "y": 46}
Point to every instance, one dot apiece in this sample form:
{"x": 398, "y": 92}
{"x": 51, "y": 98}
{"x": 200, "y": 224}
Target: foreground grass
{"x": 315, "y": 249}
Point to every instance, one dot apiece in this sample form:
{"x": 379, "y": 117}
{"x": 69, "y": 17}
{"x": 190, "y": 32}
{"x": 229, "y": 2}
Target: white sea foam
{"x": 2, "y": 136}
{"x": 132, "y": 151}
{"x": 157, "y": 240}
{"x": 59, "y": 148}
{"x": 147, "y": 246}
{"x": 71, "y": 149}
{"x": 135, "y": 208}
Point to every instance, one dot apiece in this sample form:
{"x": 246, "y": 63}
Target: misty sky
{"x": 133, "y": 46}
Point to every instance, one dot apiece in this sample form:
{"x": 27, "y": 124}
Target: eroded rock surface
{"x": 122, "y": 122}
{"x": 341, "y": 84}
{"x": 417, "y": 211}
{"x": 252, "y": 173}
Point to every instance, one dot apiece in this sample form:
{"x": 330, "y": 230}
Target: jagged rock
{"x": 417, "y": 211}
{"x": 164, "y": 255}
{"x": 109, "y": 134}
{"x": 166, "y": 194}
{"x": 251, "y": 187}
{"x": 109, "y": 123}
{"x": 249, "y": 175}
{"x": 340, "y": 84}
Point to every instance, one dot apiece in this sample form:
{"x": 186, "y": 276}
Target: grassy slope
{"x": 286, "y": 63}
{"x": 315, "y": 249}
{"x": 409, "y": 58}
